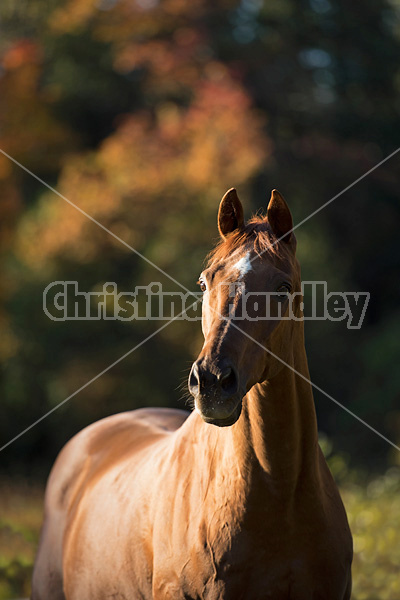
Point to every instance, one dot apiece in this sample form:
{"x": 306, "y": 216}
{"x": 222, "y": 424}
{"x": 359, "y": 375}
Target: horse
{"x": 233, "y": 501}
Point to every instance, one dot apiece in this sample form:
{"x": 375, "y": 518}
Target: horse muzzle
{"x": 216, "y": 392}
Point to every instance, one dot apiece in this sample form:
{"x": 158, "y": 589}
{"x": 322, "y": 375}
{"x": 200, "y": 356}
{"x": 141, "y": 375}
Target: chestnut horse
{"x": 232, "y": 502}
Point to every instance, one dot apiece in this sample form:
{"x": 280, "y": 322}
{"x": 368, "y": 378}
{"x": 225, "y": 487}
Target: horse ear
{"x": 230, "y": 213}
{"x": 279, "y": 216}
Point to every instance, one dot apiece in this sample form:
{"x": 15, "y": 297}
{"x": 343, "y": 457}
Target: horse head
{"x": 250, "y": 285}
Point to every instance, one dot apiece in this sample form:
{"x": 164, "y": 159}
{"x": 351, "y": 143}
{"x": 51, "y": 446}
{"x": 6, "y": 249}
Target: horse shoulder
{"x": 85, "y": 460}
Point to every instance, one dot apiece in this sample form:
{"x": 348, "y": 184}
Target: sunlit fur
{"x": 256, "y": 234}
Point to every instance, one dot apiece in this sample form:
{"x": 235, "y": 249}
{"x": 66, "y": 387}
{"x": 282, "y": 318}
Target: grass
{"x": 20, "y": 520}
{"x": 374, "y": 516}
{"x": 373, "y": 510}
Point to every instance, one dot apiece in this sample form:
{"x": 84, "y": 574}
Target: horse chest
{"x": 277, "y": 580}
{"x": 247, "y": 568}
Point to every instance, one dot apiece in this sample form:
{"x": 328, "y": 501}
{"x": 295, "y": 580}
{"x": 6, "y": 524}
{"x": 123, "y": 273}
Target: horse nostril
{"x": 228, "y": 380}
{"x": 194, "y": 379}
{"x": 226, "y": 373}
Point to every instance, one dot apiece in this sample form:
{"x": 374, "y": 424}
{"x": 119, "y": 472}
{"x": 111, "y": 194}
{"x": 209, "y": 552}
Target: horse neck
{"x": 282, "y": 425}
{"x": 276, "y": 436}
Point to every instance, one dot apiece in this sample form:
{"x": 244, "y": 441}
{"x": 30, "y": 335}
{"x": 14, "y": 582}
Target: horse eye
{"x": 282, "y": 292}
{"x": 202, "y": 285}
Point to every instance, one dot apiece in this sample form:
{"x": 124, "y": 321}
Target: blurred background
{"x": 143, "y": 113}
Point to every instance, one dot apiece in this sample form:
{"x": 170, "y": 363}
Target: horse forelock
{"x": 255, "y": 235}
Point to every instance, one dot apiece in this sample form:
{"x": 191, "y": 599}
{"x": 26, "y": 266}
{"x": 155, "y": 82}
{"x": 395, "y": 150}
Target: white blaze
{"x": 243, "y": 265}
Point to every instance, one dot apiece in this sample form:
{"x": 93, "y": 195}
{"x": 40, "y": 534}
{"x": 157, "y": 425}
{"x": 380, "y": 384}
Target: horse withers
{"x": 234, "y": 501}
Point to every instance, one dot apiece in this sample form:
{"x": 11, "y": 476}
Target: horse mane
{"x": 256, "y": 230}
